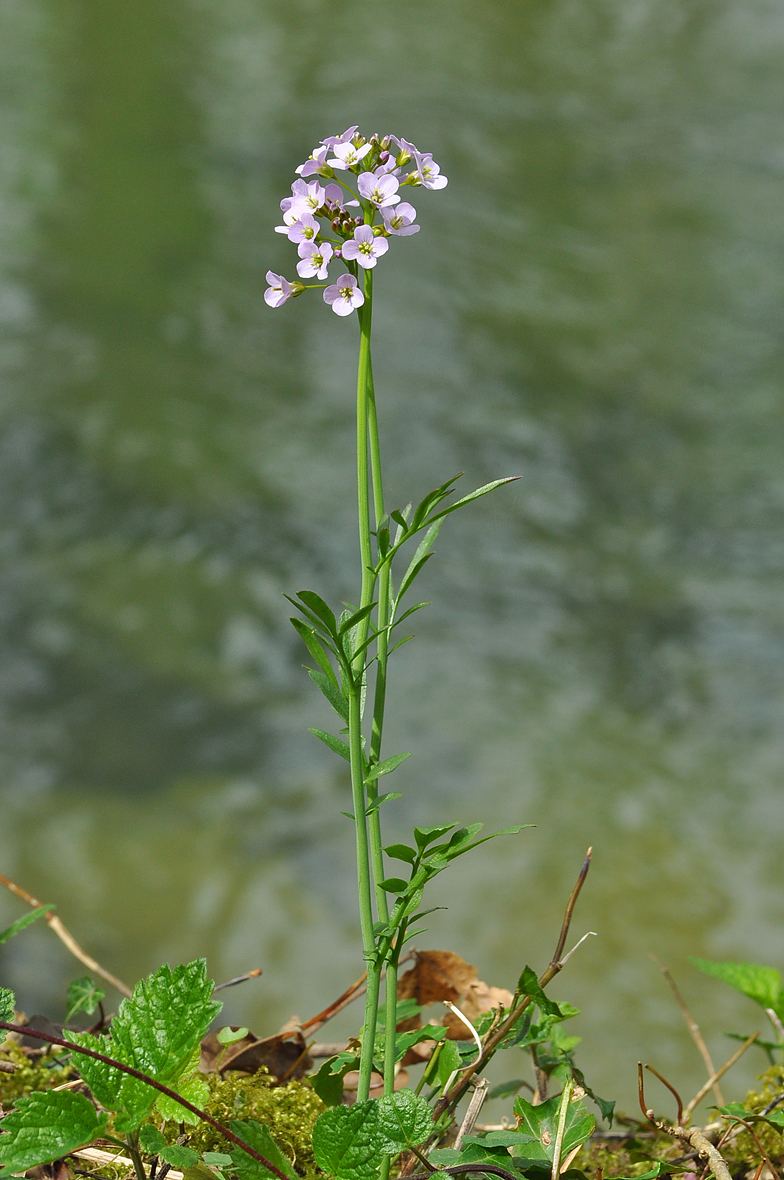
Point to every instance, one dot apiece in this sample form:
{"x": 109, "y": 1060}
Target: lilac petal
{"x": 381, "y": 245}
{"x": 363, "y": 233}
{"x": 350, "y": 249}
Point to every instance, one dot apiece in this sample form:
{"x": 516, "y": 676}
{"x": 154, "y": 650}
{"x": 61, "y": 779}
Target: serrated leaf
{"x": 401, "y": 852}
{"x": 346, "y": 1141}
{"x": 7, "y": 1005}
{"x": 315, "y": 647}
{"x": 335, "y": 744}
{"x": 151, "y": 1140}
{"x": 528, "y": 985}
{"x": 258, "y": 1136}
{"x": 131, "y": 1099}
{"x": 83, "y": 995}
{"x": 45, "y": 1126}
{"x": 319, "y": 608}
{"x": 335, "y": 697}
{"x": 178, "y": 1156}
{"x": 761, "y": 984}
{"x": 23, "y": 922}
{"x": 404, "y": 1120}
{"x": 385, "y": 767}
{"x": 193, "y": 1089}
{"x": 160, "y": 1026}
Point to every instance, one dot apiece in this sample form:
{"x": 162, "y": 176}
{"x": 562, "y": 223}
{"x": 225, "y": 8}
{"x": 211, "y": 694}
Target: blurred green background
{"x": 594, "y": 303}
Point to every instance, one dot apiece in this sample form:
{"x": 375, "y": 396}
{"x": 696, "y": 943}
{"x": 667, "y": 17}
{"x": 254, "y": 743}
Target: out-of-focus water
{"x": 594, "y": 303}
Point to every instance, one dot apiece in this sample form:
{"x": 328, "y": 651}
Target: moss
{"x": 742, "y": 1151}
{"x": 37, "y": 1073}
{"x": 289, "y": 1111}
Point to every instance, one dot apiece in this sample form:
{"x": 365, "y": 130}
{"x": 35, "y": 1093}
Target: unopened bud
{"x": 383, "y": 157}
{"x": 336, "y": 224}
{"x": 385, "y": 142}
{"x": 359, "y": 221}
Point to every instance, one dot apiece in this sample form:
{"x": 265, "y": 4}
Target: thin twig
{"x": 779, "y": 1098}
{"x": 672, "y": 1090}
{"x": 254, "y": 974}
{"x": 695, "y": 1138}
{"x": 142, "y": 1077}
{"x": 698, "y": 1097}
{"x": 563, "y": 1110}
{"x": 692, "y": 1026}
{"x": 775, "y": 1020}
{"x": 762, "y": 1151}
{"x": 472, "y": 1114}
{"x": 66, "y": 937}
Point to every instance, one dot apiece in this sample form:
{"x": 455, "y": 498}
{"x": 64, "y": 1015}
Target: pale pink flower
{"x": 379, "y": 189}
{"x": 399, "y": 220}
{"x": 314, "y": 163}
{"x": 365, "y": 247}
{"x": 346, "y": 155}
{"x": 344, "y": 295}
{"x": 307, "y": 198}
{"x": 304, "y": 229}
{"x": 428, "y": 172}
{"x": 279, "y": 289}
{"x": 315, "y": 259}
{"x": 332, "y": 140}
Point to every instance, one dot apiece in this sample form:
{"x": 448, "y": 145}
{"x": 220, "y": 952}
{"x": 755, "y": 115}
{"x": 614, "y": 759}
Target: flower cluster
{"x": 358, "y": 240}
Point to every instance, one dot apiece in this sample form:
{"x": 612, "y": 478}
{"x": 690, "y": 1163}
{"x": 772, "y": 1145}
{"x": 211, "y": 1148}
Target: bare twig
{"x": 779, "y": 1098}
{"x": 254, "y": 974}
{"x": 66, "y": 937}
{"x": 775, "y": 1020}
{"x": 764, "y": 1155}
{"x": 695, "y": 1138}
{"x": 692, "y": 1026}
{"x": 672, "y": 1090}
{"x": 698, "y": 1097}
{"x": 472, "y": 1114}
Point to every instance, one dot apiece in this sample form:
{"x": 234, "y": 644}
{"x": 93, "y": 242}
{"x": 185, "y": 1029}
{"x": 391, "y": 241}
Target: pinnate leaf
{"x": 45, "y": 1126}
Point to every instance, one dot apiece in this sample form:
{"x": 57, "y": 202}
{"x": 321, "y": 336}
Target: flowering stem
{"x": 364, "y": 876}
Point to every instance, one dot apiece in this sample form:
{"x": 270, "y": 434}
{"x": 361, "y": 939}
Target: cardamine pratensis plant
{"x": 331, "y": 221}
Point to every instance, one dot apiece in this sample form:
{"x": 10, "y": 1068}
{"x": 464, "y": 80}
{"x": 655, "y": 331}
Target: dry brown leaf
{"x": 284, "y": 1055}
{"x": 442, "y": 975}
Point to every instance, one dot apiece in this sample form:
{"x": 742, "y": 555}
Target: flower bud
{"x": 383, "y": 157}
{"x": 336, "y": 225}
{"x": 359, "y": 221}
{"x": 385, "y": 142}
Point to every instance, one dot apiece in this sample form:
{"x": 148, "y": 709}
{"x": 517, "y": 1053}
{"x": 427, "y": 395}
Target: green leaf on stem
{"x": 448, "y": 1061}
{"x": 23, "y": 922}
{"x": 393, "y": 885}
{"x": 319, "y": 608}
{"x": 258, "y": 1136}
{"x": 386, "y": 798}
{"x": 761, "y": 984}
{"x": 131, "y": 1099}
{"x": 356, "y": 617}
{"x": 178, "y": 1156}
{"x": 83, "y": 996}
{"x": 528, "y": 985}
{"x": 426, "y": 836}
{"x": 334, "y": 743}
{"x": 401, "y": 852}
{"x": 488, "y": 487}
{"x": 315, "y": 647}
{"x": 404, "y": 1120}
{"x": 386, "y": 767}
{"x": 535, "y": 1137}
{"x": 346, "y": 1141}
{"x": 151, "y": 1140}
{"x": 333, "y": 694}
{"x": 505, "y": 1089}
{"x": 45, "y": 1126}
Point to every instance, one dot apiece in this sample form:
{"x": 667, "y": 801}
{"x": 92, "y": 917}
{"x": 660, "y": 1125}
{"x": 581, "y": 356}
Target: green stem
{"x": 390, "y": 1013}
{"x": 133, "y": 1151}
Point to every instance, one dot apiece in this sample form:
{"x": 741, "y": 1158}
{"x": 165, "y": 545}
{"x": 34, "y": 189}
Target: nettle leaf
{"x": 404, "y": 1120}
{"x": 761, "y": 984}
{"x": 178, "y": 1156}
{"x": 193, "y": 1088}
{"x": 335, "y": 744}
{"x": 45, "y": 1126}
{"x": 333, "y": 694}
{"x": 160, "y": 1027}
{"x": 528, "y": 985}
{"x": 130, "y": 1098}
{"x": 23, "y": 922}
{"x": 385, "y": 767}
{"x": 151, "y": 1140}
{"x": 346, "y": 1141}
{"x": 7, "y": 1005}
{"x": 258, "y": 1136}
{"x": 83, "y": 996}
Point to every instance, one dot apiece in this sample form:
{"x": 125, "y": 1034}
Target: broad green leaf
{"x": 319, "y": 608}
{"x": 401, "y": 852}
{"x": 45, "y": 1126}
{"x": 257, "y": 1135}
{"x": 473, "y": 1153}
{"x": 179, "y": 1157}
{"x": 334, "y": 743}
{"x": 151, "y": 1140}
{"x": 328, "y": 1085}
{"x": 528, "y": 985}
{"x": 393, "y": 885}
{"x": 7, "y": 1005}
{"x": 25, "y": 920}
{"x": 217, "y": 1159}
{"x": 193, "y": 1089}
{"x": 83, "y": 995}
{"x": 160, "y": 1027}
{"x": 535, "y": 1137}
{"x": 761, "y": 984}
{"x": 406, "y": 1040}
{"x": 315, "y": 647}
{"x": 404, "y": 1120}
{"x": 488, "y": 487}
{"x": 385, "y": 767}
{"x": 335, "y": 697}
{"x": 130, "y": 1098}
{"x": 449, "y": 1060}
{"x": 346, "y": 1141}
{"x": 426, "y": 836}
{"x": 228, "y": 1035}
